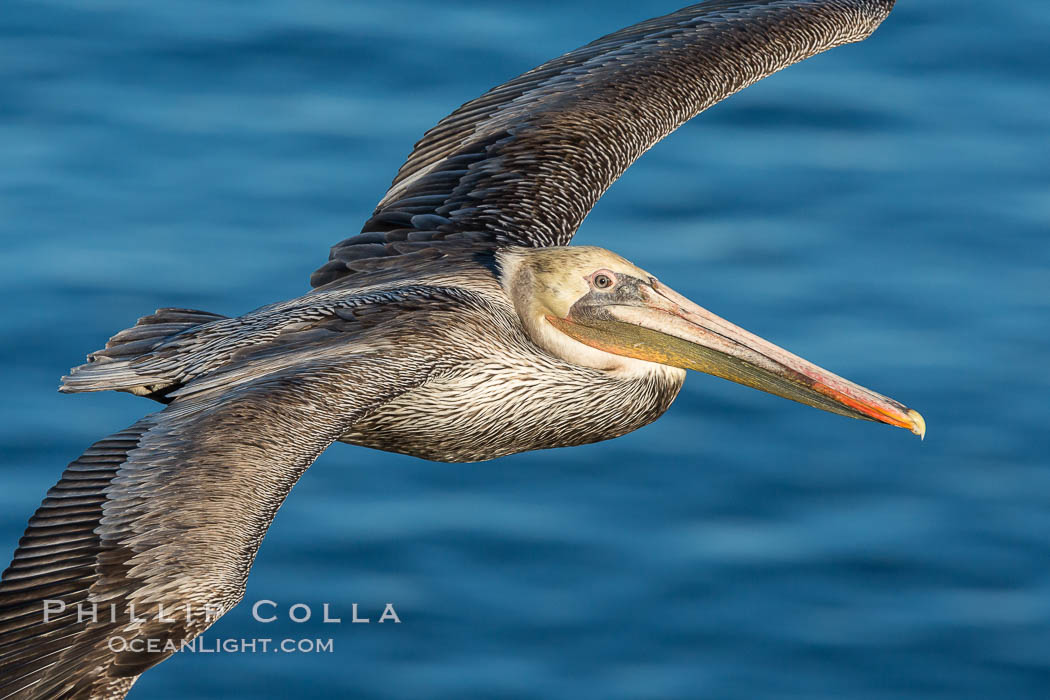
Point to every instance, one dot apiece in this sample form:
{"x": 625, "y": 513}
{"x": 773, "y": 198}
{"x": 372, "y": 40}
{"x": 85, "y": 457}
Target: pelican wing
{"x": 161, "y": 522}
{"x": 526, "y": 161}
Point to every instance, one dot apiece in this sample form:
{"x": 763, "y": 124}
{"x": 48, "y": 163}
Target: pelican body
{"x": 458, "y": 326}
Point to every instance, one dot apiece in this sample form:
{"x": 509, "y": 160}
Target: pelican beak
{"x": 662, "y": 326}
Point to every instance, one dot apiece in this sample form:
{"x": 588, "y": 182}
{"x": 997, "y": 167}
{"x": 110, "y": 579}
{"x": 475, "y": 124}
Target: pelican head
{"x": 591, "y": 307}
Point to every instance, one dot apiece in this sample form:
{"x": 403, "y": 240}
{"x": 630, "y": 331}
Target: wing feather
{"x": 524, "y": 163}
{"x": 169, "y": 512}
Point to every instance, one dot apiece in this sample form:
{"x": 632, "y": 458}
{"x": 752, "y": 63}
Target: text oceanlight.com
{"x": 231, "y": 645}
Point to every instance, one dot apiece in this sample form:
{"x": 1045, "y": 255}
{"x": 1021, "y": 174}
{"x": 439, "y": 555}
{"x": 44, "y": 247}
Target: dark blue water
{"x": 882, "y": 209}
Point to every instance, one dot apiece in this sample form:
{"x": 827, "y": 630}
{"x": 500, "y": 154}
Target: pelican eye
{"x": 603, "y": 280}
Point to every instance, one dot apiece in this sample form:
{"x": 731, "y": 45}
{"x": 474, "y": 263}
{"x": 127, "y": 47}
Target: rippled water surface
{"x": 881, "y": 209}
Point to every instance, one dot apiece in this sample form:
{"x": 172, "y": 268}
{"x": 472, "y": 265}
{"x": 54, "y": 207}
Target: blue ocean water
{"x": 881, "y": 209}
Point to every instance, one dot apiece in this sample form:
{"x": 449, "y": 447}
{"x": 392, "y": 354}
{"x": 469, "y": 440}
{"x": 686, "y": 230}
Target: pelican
{"x": 458, "y": 326}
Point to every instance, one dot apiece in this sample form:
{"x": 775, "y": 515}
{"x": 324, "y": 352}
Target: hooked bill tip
{"x": 918, "y": 425}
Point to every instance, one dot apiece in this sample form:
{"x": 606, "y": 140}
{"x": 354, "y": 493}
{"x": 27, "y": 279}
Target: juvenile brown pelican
{"x": 456, "y": 327}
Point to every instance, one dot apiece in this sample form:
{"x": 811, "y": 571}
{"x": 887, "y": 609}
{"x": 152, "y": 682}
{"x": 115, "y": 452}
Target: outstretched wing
{"x": 526, "y": 161}
{"x": 170, "y": 512}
